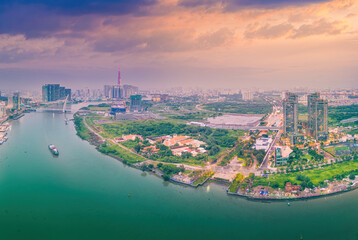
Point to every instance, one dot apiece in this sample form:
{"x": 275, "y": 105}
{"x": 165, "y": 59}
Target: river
{"x": 84, "y": 194}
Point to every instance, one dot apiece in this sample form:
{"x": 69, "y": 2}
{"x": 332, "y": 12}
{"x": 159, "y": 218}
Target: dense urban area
{"x": 261, "y": 144}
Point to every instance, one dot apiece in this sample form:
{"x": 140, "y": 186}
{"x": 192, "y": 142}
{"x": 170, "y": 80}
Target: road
{"x": 264, "y": 164}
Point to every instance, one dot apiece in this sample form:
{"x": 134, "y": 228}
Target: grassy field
{"x": 335, "y": 114}
{"x": 353, "y": 132}
{"x": 236, "y": 183}
{"x": 303, "y": 117}
{"x": 106, "y": 109}
{"x": 203, "y": 178}
{"x": 217, "y": 139}
{"x": 81, "y": 129}
{"x": 339, "y": 113}
{"x": 315, "y": 175}
{"x": 116, "y": 151}
{"x": 342, "y": 148}
{"x": 221, "y": 137}
{"x": 258, "y": 107}
{"x": 330, "y": 150}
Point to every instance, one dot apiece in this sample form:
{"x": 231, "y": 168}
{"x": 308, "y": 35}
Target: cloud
{"x": 233, "y": 5}
{"x": 83, "y": 7}
{"x": 35, "y": 21}
{"x": 38, "y": 18}
{"x": 178, "y": 40}
{"x": 267, "y": 31}
{"x": 18, "y": 48}
{"x": 320, "y": 27}
{"x": 287, "y": 30}
{"x": 215, "y": 39}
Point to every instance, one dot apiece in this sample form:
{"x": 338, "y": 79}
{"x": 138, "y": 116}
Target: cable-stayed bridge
{"x": 60, "y": 106}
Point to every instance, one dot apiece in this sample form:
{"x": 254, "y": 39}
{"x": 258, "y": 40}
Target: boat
{"x": 53, "y": 149}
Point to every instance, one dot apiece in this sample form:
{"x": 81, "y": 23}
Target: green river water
{"x": 84, "y": 194}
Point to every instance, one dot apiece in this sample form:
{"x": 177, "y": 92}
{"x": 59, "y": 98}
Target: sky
{"x": 274, "y": 44}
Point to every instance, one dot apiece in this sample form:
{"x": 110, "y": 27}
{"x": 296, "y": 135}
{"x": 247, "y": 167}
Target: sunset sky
{"x": 171, "y": 43}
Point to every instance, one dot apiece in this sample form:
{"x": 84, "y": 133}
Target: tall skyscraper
{"x": 54, "y": 92}
{"x": 290, "y": 113}
{"x": 107, "y": 91}
{"x": 136, "y": 103}
{"x": 118, "y": 91}
{"x": 317, "y": 116}
{"x": 45, "y": 93}
{"x": 16, "y": 101}
{"x": 119, "y": 76}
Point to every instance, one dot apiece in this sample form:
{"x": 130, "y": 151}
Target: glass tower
{"x": 290, "y": 113}
{"x": 317, "y": 117}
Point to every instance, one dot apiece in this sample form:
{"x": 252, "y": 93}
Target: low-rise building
{"x": 282, "y": 154}
{"x": 174, "y": 140}
{"x": 132, "y": 137}
{"x": 151, "y": 149}
{"x": 178, "y": 150}
{"x": 263, "y": 143}
{"x": 289, "y": 188}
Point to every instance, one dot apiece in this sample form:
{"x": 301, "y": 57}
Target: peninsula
{"x": 261, "y": 149}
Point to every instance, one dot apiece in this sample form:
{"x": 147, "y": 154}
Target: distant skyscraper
{"x": 119, "y": 76}
{"x": 136, "y": 103}
{"x": 317, "y": 116}
{"x": 107, "y": 91}
{"x": 116, "y": 92}
{"x": 129, "y": 90}
{"x": 54, "y": 92}
{"x": 16, "y": 101}
{"x": 290, "y": 113}
{"x": 247, "y": 95}
{"x": 68, "y": 92}
{"x": 2, "y": 109}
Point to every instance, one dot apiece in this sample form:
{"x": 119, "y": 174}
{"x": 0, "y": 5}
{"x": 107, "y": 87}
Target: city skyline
{"x": 239, "y": 44}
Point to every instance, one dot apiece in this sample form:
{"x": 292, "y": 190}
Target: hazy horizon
{"x": 273, "y": 44}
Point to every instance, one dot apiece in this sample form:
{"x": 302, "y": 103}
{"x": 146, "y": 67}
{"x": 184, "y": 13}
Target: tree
{"x": 214, "y": 150}
{"x": 186, "y": 155}
{"x": 310, "y": 184}
{"x": 137, "y": 148}
{"x": 352, "y": 176}
{"x": 166, "y": 177}
{"x": 275, "y": 185}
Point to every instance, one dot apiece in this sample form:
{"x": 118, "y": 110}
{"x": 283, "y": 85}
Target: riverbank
{"x": 259, "y": 193}
{"x": 168, "y": 171}
{"x": 269, "y": 199}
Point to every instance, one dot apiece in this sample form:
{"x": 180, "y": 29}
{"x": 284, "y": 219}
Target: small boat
{"x": 288, "y": 204}
{"x": 53, "y": 149}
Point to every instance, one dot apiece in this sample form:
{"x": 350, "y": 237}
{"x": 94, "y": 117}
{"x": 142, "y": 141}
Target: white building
{"x": 263, "y": 143}
{"x": 247, "y": 96}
